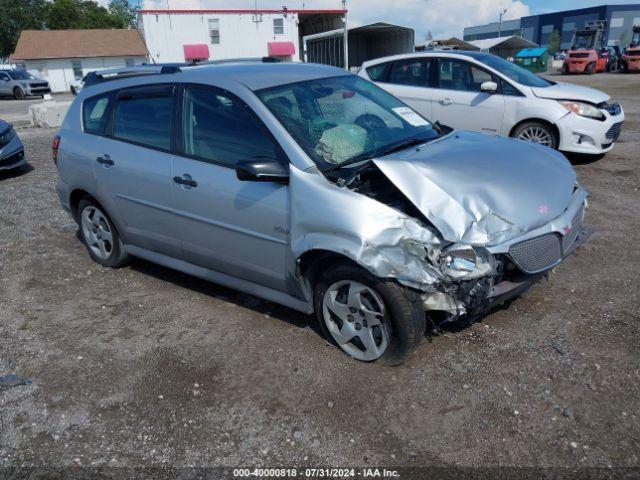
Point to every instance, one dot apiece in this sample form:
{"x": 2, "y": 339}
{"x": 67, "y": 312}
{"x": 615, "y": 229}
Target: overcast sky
{"x": 444, "y": 18}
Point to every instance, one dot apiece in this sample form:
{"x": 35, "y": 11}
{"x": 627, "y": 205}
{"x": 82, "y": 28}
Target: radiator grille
{"x": 614, "y": 131}
{"x": 537, "y": 254}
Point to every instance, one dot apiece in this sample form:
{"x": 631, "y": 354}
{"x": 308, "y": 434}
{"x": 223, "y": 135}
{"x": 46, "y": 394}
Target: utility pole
{"x": 346, "y": 37}
{"x": 500, "y": 22}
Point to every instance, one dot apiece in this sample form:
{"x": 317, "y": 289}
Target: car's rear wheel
{"x": 565, "y": 69}
{"x": 370, "y": 319}
{"x": 537, "y": 132}
{"x": 100, "y": 235}
{"x": 18, "y": 93}
{"x": 591, "y": 68}
{"x": 73, "y": 90}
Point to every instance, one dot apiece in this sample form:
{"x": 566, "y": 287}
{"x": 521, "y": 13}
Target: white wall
{"x": 59, "y": 72}
{"x": 240, "y": 36}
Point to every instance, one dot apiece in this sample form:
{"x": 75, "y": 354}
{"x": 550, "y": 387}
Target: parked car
{"x": 313, "y": 188}
{"x": 482, "y": 92}
{"x": 20, "y": 84}
{"x": 609, "y": 55}
{"x": 11, "y": 149}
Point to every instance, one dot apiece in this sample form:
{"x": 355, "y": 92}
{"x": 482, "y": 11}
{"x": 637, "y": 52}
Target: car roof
{"x": 461, "y": 54}
{"x": 255, "y": 75}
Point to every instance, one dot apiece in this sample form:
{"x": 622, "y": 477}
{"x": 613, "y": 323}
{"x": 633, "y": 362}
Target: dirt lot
{"x": 143, "y": 366}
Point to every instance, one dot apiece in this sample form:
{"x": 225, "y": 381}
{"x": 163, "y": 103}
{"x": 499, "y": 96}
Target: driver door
{"x": 459, "y": 102}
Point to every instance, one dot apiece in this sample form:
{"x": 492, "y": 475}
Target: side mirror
{"x": 489, "y": 87}
{"x": 262, "y": 170}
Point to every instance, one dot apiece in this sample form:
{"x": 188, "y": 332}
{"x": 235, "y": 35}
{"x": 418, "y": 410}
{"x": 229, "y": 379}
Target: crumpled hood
{"x": 567, "y": 91}
{"x": 482, "y": 190}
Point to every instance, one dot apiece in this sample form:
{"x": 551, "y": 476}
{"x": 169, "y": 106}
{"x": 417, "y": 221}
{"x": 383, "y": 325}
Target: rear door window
{"x": 410, "y": 71}
{"x": 143, "y": 116}
{"x": 95, "y": 113}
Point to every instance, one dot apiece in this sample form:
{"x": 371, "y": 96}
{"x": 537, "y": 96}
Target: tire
{"x": 625, "y": 68}
{"x": 529, "y": 131}
{"x": 99, "y": 235}
{"x": 73, "y": 90}
{"x": 591, "y": 68}
{"x": 565, "y": 69}
{"x": 399, "y": 323}
{"x": 18, "y": 93}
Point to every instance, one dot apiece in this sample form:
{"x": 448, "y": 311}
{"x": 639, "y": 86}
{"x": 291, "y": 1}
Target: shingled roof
{"x": 42, "y": 44}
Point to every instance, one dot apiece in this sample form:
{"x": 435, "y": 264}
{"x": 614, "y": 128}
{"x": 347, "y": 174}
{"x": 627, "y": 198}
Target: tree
{"x": 72, "y": 14}
{"x": 122, "y": 10}
{"x": 15, "y": 16}
{"x": 554, "y": 41}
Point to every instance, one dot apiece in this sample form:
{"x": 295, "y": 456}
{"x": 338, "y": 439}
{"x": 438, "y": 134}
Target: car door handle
{"x": 186, "y": 181}
{"x": 445, "y": 101}
{"x": 105, "y": 160}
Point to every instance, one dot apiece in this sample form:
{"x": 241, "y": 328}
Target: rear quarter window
{"x": 95, "y": 113}
{"x": 378, "y": 73}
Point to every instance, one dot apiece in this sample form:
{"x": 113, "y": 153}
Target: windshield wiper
{"x": 409, "y": 142}
{"x": 355, "y": 159}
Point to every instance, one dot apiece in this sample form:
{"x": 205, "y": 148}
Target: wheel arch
{"x": 312, "y": 263}
{"x": 552, "y": 125}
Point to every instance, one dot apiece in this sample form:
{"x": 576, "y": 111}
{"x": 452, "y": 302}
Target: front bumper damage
{"x": 473, "y": 298}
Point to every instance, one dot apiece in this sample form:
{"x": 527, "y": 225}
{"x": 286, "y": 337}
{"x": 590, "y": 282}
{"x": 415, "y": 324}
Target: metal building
{"x": 364, "y": 43}
{"x": 538, "y": 29}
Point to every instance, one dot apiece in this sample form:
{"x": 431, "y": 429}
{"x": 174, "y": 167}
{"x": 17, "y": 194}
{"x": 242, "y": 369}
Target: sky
{"x": 443, "y": 18}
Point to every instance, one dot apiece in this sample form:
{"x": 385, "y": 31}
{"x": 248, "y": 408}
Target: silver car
{"x": 11, "y": 148}
{"x": 20, "y": 84}
{"x": 313, "y": 188}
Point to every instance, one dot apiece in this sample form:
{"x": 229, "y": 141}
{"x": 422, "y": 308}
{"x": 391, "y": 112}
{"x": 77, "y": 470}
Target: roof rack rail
{"x": 238, "y": 60}
{"x": 100, "y": 76}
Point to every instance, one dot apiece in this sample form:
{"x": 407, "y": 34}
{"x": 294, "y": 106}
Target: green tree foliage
{"x": 123, "y": 10}
{"x": 18, "y": 15}
{"x": 554, "y": 41}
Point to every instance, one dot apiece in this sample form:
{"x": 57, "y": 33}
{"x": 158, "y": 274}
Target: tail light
{"x": 54, "y": 148}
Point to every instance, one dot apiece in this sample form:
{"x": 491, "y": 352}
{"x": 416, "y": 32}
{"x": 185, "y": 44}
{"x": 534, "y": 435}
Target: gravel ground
{"x": 143, "y": 366}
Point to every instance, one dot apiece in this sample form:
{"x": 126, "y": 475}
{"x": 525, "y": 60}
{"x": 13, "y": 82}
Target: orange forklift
{"x": 631, "y": 56}
{"x": 585, "y": 54}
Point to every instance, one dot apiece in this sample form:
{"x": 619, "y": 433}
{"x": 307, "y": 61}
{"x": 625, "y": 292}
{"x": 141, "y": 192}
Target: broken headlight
{"x": 462, "y": 261}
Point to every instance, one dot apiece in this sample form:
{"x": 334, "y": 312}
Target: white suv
{"x": 482, "y": 92}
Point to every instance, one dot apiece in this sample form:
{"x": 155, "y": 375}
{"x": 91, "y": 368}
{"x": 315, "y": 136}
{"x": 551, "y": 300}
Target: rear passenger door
{"x": 408, "y": 79}
{"x": 133, "y": 167}
{"x": 459, "y": 102}
{"x": 235, "y": 227}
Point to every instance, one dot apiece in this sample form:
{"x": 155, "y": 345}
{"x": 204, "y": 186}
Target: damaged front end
{"x": 467, "y": 243}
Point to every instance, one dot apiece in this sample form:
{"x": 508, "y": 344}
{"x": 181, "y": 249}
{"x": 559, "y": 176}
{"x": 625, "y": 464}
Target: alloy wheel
{"x": 536, "y": 134}
{"x": 97, "y": 232}
{"x": 354, "y": 315}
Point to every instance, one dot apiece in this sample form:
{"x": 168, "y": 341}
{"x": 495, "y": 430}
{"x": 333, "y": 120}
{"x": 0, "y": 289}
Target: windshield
{"x": 583, "y": 41}
{"x": 514, "y": 72}
{"x": 20, "y": 75}
{"x": 344, "y": 119}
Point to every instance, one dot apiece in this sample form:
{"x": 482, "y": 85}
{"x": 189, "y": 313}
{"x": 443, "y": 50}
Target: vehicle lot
{"x": 17, "y": 111}
{"x": 143, "y": 366}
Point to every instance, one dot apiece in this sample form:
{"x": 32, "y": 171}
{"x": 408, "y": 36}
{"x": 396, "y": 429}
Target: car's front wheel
{"x": 367, "y": 317}
{"x": 537, "y": 132}
{"x": 18, "y": 93}
{"x": 100, "y": 235}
